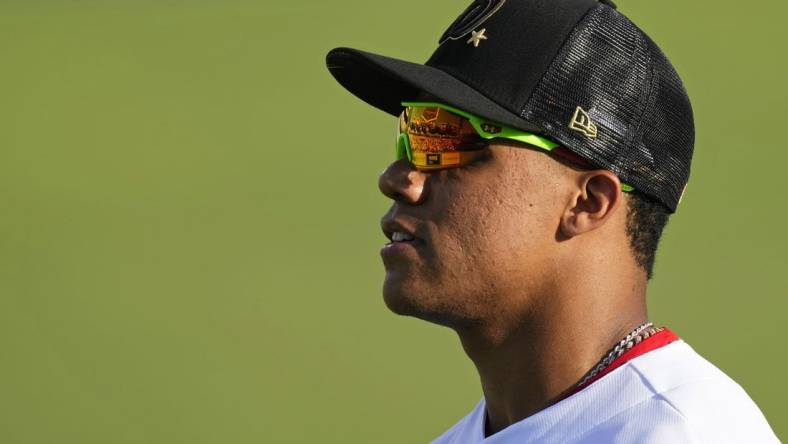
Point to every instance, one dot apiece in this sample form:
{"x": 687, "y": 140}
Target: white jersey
{"x": 667, "y": 395}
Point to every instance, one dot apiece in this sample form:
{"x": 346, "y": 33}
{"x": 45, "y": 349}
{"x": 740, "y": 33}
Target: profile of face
{"x": 485, "y": 235}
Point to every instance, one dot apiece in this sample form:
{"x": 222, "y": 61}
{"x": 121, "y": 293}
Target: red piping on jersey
{"x": 653, "y": 342}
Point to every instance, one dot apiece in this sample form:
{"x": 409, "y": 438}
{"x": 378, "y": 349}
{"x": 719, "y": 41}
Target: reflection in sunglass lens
{"x": 438, "y": 138}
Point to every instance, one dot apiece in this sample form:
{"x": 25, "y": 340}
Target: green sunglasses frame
{"x": 485, "y": 129}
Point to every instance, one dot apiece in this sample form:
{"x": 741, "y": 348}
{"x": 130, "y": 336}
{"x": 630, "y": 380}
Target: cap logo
{"x": 582, "y": 123}
{"x": 477, "y": 37}
{"x": 470, "y": 19}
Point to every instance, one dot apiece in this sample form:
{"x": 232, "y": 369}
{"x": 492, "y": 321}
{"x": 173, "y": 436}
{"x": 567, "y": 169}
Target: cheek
{"x": 489, "y": 235}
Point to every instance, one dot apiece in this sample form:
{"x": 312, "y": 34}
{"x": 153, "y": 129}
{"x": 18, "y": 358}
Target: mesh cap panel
{"x": 624, "y": 83}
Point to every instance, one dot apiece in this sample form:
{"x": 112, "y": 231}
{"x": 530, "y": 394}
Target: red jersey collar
{"x": 653, "y": 342}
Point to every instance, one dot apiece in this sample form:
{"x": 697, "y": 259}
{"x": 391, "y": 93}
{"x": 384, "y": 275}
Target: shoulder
{"x": 671, "y": 394}
{"x": 695, "y": 398}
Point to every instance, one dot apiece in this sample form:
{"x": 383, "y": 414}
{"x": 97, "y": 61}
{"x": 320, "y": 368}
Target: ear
{"x": 593, "y": 203}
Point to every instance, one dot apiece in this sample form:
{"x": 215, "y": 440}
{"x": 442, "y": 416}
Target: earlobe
{"x": 592, "y": 204}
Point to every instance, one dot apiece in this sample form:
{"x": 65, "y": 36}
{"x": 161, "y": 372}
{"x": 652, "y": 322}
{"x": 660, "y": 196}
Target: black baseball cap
{"x": 575, "y": 71}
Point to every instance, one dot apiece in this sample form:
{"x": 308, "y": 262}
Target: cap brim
{"x": 385, "y": 82}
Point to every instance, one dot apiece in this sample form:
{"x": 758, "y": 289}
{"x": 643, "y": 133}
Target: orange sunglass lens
{"x": 439, "y": 138}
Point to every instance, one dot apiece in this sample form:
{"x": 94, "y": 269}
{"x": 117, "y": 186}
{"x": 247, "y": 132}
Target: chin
{"x": 407, "y": 299}
{"x": 400, "y": 299}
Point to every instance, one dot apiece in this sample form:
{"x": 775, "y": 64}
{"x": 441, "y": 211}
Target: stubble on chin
{"x": 428, "y": 305}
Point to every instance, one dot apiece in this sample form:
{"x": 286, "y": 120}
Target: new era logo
{"x": 433, "y": 159}
{"x": 582, "y": 123}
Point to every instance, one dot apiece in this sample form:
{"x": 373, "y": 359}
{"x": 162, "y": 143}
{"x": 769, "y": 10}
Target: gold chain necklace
{"x": 634, "y": 337}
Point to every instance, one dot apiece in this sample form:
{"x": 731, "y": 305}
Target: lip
{"x": 391, "y": 225}
{"x": 398, "y": 248}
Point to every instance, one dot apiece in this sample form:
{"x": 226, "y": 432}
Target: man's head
{"x": 518, "y": 219}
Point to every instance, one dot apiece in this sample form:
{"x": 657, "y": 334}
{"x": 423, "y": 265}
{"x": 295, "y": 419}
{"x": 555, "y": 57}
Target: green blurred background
{"x": 188, "y": 254}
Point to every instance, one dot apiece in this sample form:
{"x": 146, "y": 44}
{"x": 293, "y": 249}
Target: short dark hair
{"x": 646, "y": 216}
{"x": 646, "y": 219}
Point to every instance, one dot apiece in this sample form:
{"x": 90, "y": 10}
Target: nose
{"x": 401, "y": 181}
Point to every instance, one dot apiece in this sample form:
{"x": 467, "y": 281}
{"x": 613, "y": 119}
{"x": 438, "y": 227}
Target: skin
{"x": 526, "y": 258}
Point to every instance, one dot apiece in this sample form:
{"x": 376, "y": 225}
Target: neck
{"x": 525, "y": 365}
